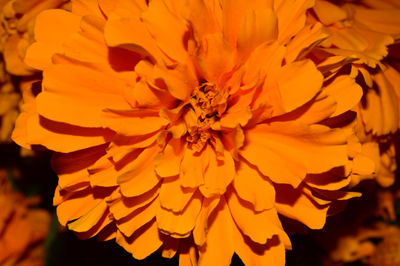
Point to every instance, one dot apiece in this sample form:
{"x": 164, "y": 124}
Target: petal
{"x": 201, "y": 228}
{"x": 307, "y": 149}
{"x": 121, "y": 206}
{"x": 173, "y": 196}
{"x": 103, "y": 173}
{"x": 259, "y": 226}
{"x": 303, "y": 42}
{"x": 319, "y": 109}
{"x": 159, "y": 20}
{"x": 215, "y": 57}
{"x": 192, "y": 169}
{"x": 72, "y": 168}
{"x": 295, "y": 205}
{"x": 90, "y": 219}
{"x": 122, "y": 121}
{"x": 125, "y": 29}
{"x": 257, "y": 26}
{"x": 219, "y": 174}
{"x": 128, "y": 225}
{"x": 49, "y": 36}
{"x": 60, "y": 137}
{"x": 139, "y": 175}
{"x": 86, "y": 7}
{"x": 209, "y": 22}
{"x": 75, "y": 111}
{"x": 218, "y": 248}
{"x": 380, "y": 108}
{"x": 168, "y": 162}
{"x": 301, "y": 74}
{"x": 233, "y": 12}
{"x": 334, "y": 179}
{"x": 292, "y": 17}
{"x": 180, "y": 224}
{"x": 252, "y": 187}
{"x": 180, "y": 80}
{"x": 346, "y": 92}
{"x": 75, "y": 205}
{"x": 143, "y": 242}
{"x": 328, "y": 13}
{"x": 380, "y": 20}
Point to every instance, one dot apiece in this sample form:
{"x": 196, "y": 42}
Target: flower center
{"x": 207, "y": 104}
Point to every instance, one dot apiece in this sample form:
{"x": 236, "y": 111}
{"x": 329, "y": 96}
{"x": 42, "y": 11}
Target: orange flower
{"x": 188, "y": 133}
{"x": 22, "y": 229}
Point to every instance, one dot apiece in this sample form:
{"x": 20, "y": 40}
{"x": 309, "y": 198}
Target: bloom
{"x": 187, "y": 133}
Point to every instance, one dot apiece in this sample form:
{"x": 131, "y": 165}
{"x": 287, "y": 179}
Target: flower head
{"x": 188, "y": 126}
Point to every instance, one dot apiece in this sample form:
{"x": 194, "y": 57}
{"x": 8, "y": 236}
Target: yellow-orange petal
{"x": 218, "y": 248}
{"x": 75, "y": 205}
{"x": 380, "y": 111}
{"x": 303, "y": 42}
{"x": 298, "y": 83}
{"x": 319, "y": 109}
{"x": 192, "y": 172}
{"x": 257, "y": 26}
{"x": 180, "y": 198}
{"x": 121, "y": 121}
{"x": 90, "y": 219}
{"x": 48, "y": 35}
{"x": 129, "y": 224}
{"x": 254, "y": 188}
{"x": 103, "y": 173}
{"x": 259, "y": 226}
{"x": 159, "y": 18}
{"x": 380, "y": 20}
{"x": 292, "y": 17}
{"x": 215, "y": 57}
{"x": 180, "y": 80}
{"x": 180, "y": 224}
{"x": 328, "y": 13}
{"x": 233, "y": 12}
{"x": 168, "y": 162}
{"x": 75, "y": 111}
{"x": 201, "y": 228}
{"x": 71, "y": 168}
{"x": 219, "y": 173}
{"x": 305, "y": 148}
{"x": 334, "y": 179}
{"x": 346, "y": 92}
{"x": 121, "y": 206}
{"x": 32, "y": 129}
{"x": 296, "y": 205}
{"x": 139, "y": 175}
{"x": 143, "y": 242}
{"x": 125, "y": 29}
